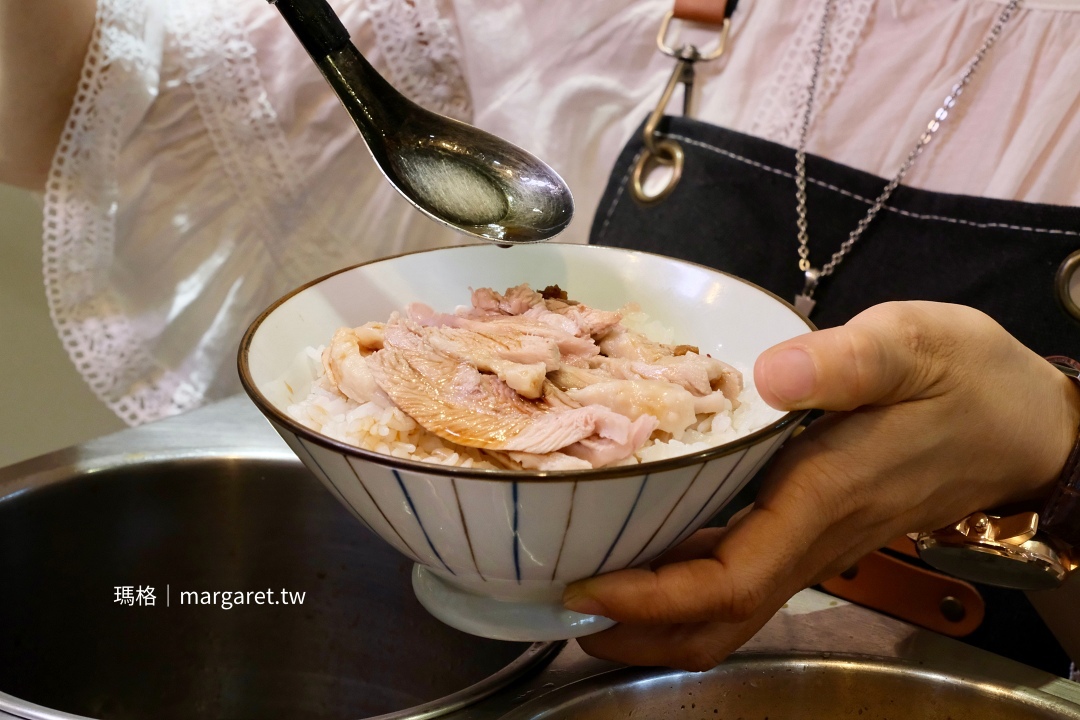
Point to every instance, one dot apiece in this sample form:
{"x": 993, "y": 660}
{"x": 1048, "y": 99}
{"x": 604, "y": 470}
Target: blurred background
{"x": 44, "y": 404}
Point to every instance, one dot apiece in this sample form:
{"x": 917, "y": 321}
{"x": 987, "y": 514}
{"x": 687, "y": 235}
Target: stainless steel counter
{"x": 812, "y": 625}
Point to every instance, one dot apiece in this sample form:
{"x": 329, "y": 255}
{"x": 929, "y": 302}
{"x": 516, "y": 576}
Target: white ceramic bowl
{"x": 494, "y": 549}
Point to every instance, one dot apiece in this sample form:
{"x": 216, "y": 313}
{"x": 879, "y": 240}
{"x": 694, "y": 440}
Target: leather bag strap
{"x": 922, "y": 597}
{"x": 709, "y": 12}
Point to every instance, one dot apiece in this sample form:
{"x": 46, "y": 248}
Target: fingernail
{"x": 583, "y": 604}
{"x": 792, "y": 375}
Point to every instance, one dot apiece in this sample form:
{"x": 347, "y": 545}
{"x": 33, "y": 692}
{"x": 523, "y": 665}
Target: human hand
{"x": 938, "y": 412}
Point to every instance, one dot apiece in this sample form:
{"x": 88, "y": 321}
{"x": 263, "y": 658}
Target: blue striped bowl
{"x": 494, "y": 549}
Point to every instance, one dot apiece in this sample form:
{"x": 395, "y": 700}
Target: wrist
{"x": 1059, "y": 419}
{"x": 1059, "y": 514}
{"x": 1031, "y": 550}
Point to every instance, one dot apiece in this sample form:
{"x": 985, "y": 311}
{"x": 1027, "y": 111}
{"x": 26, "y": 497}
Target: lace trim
{"x": 219, "y": 61}
{"x": 79, "y": 225}
{"x": 423, "y": 57}
{"x": 784, "y": 103}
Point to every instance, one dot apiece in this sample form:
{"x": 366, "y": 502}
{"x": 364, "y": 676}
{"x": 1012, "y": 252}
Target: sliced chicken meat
{"x": 700, "y": 374}
{"x": 550, "y": 307}
{"x": 569, "y": 377}
{"x": 622, "y": 342}
{"x": 534, "y": 378}
{"x": 549, "y": 462}
{"x": 515, "y": 301}
{"x": 501, "y": 326}
{"x": 345, "y": 368}
{"x": 671, "y": 405}
{"x": 521, "y": 361}
{"x": 459, "y": 403}
{"x": 601, "y": 451}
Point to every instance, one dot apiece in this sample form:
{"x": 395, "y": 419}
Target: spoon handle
{"x": 315, "y": 25}
{"x": 370, "y": 100}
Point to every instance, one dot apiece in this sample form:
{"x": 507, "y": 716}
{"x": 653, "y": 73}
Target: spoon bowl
{"x": 456, "y": 174}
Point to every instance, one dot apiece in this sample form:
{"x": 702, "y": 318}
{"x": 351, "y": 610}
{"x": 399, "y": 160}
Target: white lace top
{"x": 206, "y": 168}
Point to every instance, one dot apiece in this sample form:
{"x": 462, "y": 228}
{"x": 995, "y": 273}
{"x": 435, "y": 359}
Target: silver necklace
{"x": 804, "y": 301}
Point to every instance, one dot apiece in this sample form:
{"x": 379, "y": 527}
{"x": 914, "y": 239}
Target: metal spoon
{"x": 456, "y": 174}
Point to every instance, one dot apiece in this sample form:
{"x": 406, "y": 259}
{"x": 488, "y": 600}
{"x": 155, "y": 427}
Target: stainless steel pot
{"x": 72, "y": 538}
{"x": 797, "y": 688}
{"x": 214, "y": 500}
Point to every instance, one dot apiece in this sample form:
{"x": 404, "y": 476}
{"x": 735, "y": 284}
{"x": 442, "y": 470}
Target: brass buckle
{"x": 665, "y": 153}
{"x": 685, "y": 50}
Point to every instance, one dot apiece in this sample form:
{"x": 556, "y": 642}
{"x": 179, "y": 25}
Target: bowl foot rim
{"x": 500, "y": 619}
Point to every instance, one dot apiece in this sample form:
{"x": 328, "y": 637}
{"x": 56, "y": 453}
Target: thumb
{"x": 886, "y": 354}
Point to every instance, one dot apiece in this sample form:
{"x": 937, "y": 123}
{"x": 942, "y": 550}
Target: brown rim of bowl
{"x": 417, "y": 466}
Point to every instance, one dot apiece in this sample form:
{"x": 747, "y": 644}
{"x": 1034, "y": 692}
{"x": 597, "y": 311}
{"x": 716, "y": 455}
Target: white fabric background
{"x": 207, "y": 169}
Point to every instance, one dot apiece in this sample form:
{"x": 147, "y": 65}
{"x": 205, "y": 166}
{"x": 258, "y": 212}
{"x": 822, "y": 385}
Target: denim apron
{"x": 734, "y": 209}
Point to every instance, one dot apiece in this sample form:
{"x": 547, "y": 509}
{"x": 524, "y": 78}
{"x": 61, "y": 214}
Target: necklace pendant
{"x": 804, "y": 304}
{"x": 804, "y": 301}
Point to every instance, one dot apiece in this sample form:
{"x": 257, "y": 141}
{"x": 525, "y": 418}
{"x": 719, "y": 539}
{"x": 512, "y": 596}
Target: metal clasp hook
{"x": 660, "y": 151}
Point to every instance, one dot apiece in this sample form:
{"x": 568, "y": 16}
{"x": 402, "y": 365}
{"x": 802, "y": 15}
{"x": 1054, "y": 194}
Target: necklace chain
{"x": 805, "y": 302}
